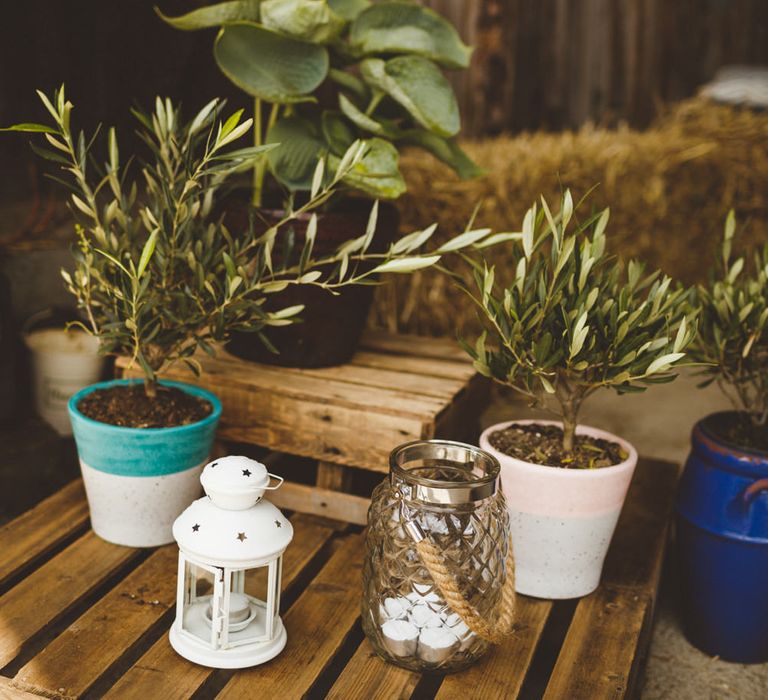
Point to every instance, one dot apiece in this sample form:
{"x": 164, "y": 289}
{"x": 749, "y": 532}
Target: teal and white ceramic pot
{"x": 138, "y": 480}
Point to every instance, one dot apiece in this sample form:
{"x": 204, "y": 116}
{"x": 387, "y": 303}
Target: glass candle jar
{"x": 437, "y": 531}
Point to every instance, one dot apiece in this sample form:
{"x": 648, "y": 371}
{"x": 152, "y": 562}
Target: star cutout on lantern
{"x": 246, "y": 472}
{"x": 195, "y": 528}
{"x": 214, "y": 464}
{"x": 278, "y": 523}
{"x": 241, "y": 536}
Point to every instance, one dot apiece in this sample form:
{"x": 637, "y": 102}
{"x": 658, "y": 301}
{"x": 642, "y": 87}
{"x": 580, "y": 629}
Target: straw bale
{"x": 669, "y": 188}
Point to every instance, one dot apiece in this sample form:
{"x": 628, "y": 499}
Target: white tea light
{"x": 401, "y": 637}
{"x": 436, "y": 644}
{"x": 231, "y": 542}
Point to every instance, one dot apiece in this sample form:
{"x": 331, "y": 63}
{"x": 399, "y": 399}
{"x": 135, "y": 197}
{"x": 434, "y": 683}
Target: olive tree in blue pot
{"x": 157, "y": 278}
{"x": 723, "y": 501}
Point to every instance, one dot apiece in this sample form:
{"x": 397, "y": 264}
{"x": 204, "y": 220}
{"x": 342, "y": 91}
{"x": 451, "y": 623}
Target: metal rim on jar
{"x": 456, "y": 453}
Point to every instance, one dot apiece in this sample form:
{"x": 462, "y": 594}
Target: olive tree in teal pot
{"x": 723, "y": 503}
{"x": 322, "y": 74}
{"x": 158, "y": 278}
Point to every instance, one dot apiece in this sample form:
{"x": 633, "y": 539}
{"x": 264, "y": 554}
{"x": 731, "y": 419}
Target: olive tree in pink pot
{"x": 569, "y": 321}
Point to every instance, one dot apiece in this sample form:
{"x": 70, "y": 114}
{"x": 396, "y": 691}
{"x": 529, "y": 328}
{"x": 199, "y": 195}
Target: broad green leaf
{"x": 348, "y": 9}
{"x": 215, "y": 15}
{"x": 269, "y": 66}
{"x": 406, "y": 264}
{"x": 446, "y": 150}
{"x": 377, "y": 172}
{"x": 337, "y": 133}
{"x": 350, "y": 82}
{"x": 294, "y": 161}
{"x": 311, "y": 20}
{"x": 31, "y": 128}
{"x": 398, "y": 27}
{"x": 362, "y": 120}
{"x": 419, "y": 86}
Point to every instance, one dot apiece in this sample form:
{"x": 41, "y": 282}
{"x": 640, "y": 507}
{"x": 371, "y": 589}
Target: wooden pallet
{"x": 83, "y": 618}
{"x": 396, "y": 388}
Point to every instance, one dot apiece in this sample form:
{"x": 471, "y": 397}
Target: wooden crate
{"x": 84, "y": 618}
{"x": 395, "y": 389}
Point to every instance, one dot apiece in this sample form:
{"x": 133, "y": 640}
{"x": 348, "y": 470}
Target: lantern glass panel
{"x": 203, "y": 585}
{"x": 251, "y": 616}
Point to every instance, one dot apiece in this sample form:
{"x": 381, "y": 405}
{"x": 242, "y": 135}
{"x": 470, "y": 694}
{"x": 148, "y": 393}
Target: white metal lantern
{"x": 231, "y": 545}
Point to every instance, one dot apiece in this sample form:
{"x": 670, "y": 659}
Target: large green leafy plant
{"x": 378, "y": 67}
{"x": 733, "y": 328}
{"x": 572, "y": 319}
{"x": 157, "y": 274}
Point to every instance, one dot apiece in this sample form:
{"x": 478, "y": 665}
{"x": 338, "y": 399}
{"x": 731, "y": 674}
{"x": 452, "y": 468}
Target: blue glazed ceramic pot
{"x": 138, "y": 480}
{"x": 723, "y": 547}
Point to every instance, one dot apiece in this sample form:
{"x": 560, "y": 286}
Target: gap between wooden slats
{"x": 161, "y": 672}
{"x": 40, "y": 532}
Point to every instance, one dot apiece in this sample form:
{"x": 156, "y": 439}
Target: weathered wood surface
{"x": 91, "y": 620}
{"x": 398, "y": 388}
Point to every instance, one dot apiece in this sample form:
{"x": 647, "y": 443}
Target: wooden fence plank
{"x": 502, "y": 671}
{"x": 90, "y": 646}
{"x": 601, "y": 647}
{"x": 46, "y": 594}
{"x": 368, "y": 676}
{"x": 41, "y": 529}
{"x": 318, "y": 624}
{"x": 162, "y": 673}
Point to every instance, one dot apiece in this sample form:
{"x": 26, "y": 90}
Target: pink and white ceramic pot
{"x": 561, "y": 520}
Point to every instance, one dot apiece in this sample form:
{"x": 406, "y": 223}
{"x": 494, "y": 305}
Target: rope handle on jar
{"x": 433, "y": 561}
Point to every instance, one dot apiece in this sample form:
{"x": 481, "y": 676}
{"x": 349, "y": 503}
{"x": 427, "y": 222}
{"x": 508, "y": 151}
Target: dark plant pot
{"x": 331, "y": 326}
{"x": 722, "y": 536}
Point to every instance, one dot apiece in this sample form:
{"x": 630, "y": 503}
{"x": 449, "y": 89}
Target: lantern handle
{"x": 279, "y": 479}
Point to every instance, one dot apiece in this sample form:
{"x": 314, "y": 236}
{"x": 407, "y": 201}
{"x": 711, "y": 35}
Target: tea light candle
{"x": 436, "y": 644}
{"x": 397, "y": 608}
{"x": 422, "y": 615}
{"x": 401, "y": 637}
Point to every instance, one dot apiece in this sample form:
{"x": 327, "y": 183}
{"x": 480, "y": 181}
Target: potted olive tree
{"x": 158, "y": 277}
{"x": 723, "y": 500}
{"x": 569, "y": 321}
{"x": 323, "y": 74}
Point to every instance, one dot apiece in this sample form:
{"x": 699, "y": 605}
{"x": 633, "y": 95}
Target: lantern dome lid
{"x": 232, "y": 526}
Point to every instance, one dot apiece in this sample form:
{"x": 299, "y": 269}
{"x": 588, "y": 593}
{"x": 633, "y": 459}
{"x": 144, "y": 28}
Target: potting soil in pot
{"x": 129, "y": 406}
{"x": 543, "y": 444}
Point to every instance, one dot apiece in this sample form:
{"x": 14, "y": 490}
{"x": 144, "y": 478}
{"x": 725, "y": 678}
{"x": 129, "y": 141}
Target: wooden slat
{"x": 8, "y": 691}
{"x": 46, "y": 594}
{"x": 601, "y": 646}
{"x": 318, "y": 624}
{"x": 502, "y": 671}
{"x": 412, "y": 346}
{"x": 425, "y": 366}
{"x": 89, "y": 647}
{"x": 368, "y": 676}
{"x": 314, "y": 388}
{"x": 333, "y": 476}
{"x": 41, "y": 529}
{"x": 324, "y": 502}
{"x": 268, "y": 414}
{"x": 636, "y": 555}
{"x": 607, "y": 637}
{"x": 394, "y": 378}
{"x": 162, "y": 673}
